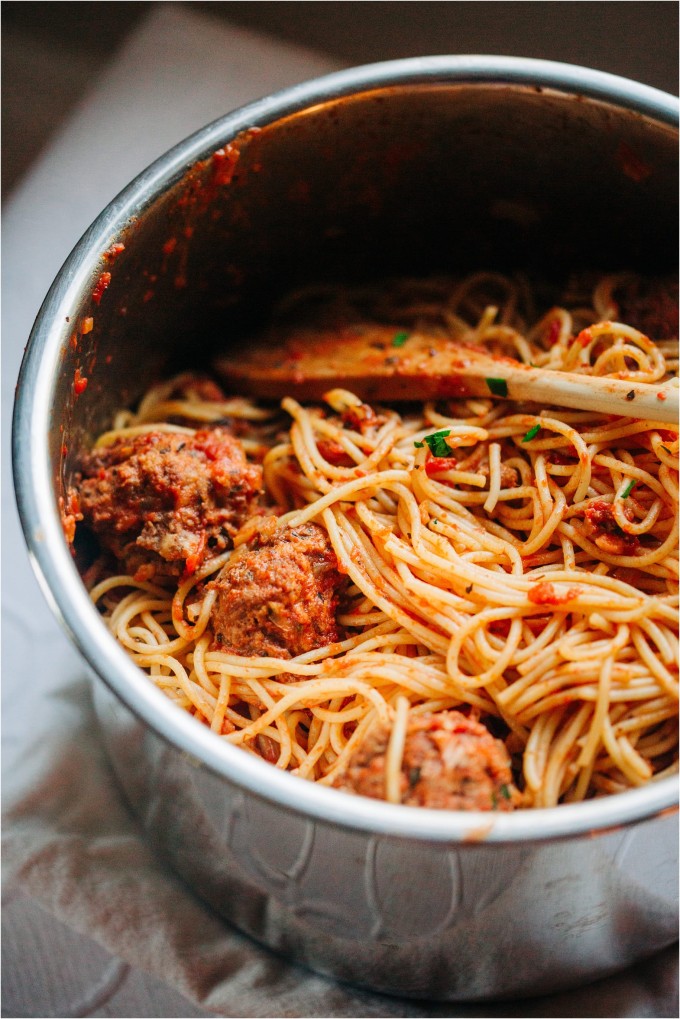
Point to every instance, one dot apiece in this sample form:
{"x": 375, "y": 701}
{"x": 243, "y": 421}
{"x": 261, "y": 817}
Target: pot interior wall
{"x": 405, "y": 180}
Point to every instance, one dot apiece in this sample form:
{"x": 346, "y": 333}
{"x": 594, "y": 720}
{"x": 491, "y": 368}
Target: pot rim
{"x": 54, "y": 566}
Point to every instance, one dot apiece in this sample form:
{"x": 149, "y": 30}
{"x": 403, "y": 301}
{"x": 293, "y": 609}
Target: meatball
{"x": 160, "y": 502}
{"x": 278, "y": 595}
{"x": 450, "y": 762}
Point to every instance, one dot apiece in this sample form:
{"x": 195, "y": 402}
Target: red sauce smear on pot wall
{"x": 114, "y": 251}
{"x": 632, "y": 164}
{"x": 79, "y": 382}
{"x": 101, "y": 285}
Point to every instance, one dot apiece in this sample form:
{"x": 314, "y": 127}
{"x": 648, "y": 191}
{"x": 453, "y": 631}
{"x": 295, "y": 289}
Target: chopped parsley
{"x": 505, "y": 792}
{"x": 413, "y": 777}
{"x": 418, "y": 445}
{"x": 399, "y": 339}
{"x": 498, "y": 387}
{"x": 628, "y": 489}
{"x": 437, "y": 443}
{"x": 532, "y": 433}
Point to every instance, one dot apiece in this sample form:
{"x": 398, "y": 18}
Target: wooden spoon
{"x": 377, "y": 363}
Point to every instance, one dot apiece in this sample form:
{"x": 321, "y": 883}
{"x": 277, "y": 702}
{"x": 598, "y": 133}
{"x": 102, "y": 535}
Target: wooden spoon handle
{"x": 643, "y": 400}
{"x": 379, "y": 364}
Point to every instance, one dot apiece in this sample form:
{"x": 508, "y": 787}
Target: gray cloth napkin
{"x": 86, "y": 901}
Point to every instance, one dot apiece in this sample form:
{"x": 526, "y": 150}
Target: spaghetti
{"x": 514, "y": 563}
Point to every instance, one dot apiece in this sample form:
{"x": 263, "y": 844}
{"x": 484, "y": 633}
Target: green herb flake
{"x": 532, "y": 433}
{"x": 418, "y": 445}
{"x": 628, "y": 489}
{"x": 413, "y": 777}
{"x": 437, "y": 443}
{"x": 399, "y": 339}
{"x": 505, "y": 792}
{"x": 498, "y": 387}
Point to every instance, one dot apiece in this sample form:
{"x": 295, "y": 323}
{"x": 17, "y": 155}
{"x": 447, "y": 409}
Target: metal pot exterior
{"x": 449, "y": 920}
{"x": 418, "y": 165}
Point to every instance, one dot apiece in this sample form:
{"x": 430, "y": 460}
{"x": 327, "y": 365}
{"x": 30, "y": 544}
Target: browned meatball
{"x": 278, "y": 595}
{"x": 450, "y": 762}
{"x": 162, "y": 501}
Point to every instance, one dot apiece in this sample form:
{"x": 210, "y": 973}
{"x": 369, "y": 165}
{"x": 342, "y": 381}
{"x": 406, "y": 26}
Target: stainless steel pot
{"x": 413, "y": 166}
